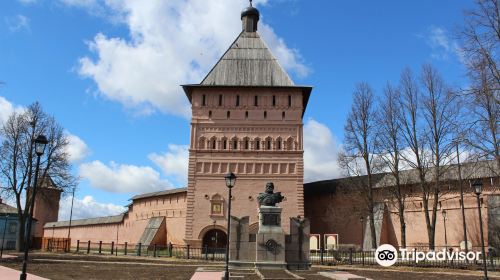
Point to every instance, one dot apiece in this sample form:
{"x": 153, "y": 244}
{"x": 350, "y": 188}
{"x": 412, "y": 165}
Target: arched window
{"x": 247, "y": 143}
{"x": 213, "y": 143}
{"x": 228, "y": 115}
{"x": 256, "y": 100}
{"x": 265, "y": 114}
{"x": 269, "y": 143}
{"x": 203, "y": 100}
{"x": 246, "y": 115}
{"x": 289, "y": 101}
{"x": 274, "y": 100}
{"x": 283, "y": 115}
{"x": 278, "y": 143}
{"x": 220, "y": 99}
{"x": 257, "y": 143}
{"x": 209, "y": 114}
{"x": 224, "y": 143}
{"x": 235, "y": 143}
{"x": 237, "y": 100}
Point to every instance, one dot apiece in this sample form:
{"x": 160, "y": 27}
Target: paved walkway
{"x": 207, "y": 275}
{"x": 11, "y": 274}
{"x": 6, "y": 256}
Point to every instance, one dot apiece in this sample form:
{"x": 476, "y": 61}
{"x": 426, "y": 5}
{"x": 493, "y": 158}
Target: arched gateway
{"x": 215, "y": 239}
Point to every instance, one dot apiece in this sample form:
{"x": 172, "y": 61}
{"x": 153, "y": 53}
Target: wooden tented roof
{"x": 248, "y": 62}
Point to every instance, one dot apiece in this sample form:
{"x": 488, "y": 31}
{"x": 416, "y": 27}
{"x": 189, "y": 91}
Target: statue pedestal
{"x": 270, "y": 243}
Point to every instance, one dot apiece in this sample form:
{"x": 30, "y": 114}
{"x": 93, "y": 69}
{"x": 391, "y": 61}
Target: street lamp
{"x": 52, "y": 240}
{"x": 3, "y": 237}
{"x": 477, "y": 186}
{"x": 70, "y": 218}
{"x": 362, "y": 220}
{"x": 462, "y": 202}
{"x": 445, "y": 236}
{"x": 40, "y": 143}
{"x": 230, "y": 181}
{"x": 214, "y": 238}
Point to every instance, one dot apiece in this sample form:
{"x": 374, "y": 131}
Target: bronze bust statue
{"x": 270, "y": 198}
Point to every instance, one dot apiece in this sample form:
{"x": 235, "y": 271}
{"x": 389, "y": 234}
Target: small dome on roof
{"x": 250, "y": 11}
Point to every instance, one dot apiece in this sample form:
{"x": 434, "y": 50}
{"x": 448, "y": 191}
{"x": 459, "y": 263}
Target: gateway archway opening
{"x": 215, "y": 239}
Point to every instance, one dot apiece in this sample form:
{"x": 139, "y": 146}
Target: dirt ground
{"x": 72, "y": 266}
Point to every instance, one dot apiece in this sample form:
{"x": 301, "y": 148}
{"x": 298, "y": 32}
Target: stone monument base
{"x": 270, "y": 248}
{"x": 271, "y": 265}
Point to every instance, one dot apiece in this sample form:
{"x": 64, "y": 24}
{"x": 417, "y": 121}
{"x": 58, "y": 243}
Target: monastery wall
{"x": 131, "y": 227}
{"x": 336, "y": 211}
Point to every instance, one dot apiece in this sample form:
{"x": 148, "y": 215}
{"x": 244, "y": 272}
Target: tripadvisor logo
{"x": 386, "y": 255}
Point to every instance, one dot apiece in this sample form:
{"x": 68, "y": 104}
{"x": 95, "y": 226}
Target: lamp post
{"x": 40, "y": 143}
{"x": 70, "y": 218}
{"x": 462, "y": 202}
{"x": 116, "y": 246}
{"x": 52, "y": 240}
{"x": 230, "y": 181}
{"x": 3, "y": 236}
{"x": 477, "y": 185}
{"x": 362, "y": 220}
{"x": 214, "y": 238}
{"x": 445, "y": 236}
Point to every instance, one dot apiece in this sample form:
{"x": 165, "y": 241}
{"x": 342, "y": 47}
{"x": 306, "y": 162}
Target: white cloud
{"x": 174, "y": 162}
{"x": 77, "y": 148}
{"x": 170, "y": 43}
{"x": 87, "y": 207}
{"x": 442, "y": 46}
{"x": 17, "y": 22}
{"x": 320, "y": 152}
{"x": 6, "y": 109}
{"x": 122, "y": 178}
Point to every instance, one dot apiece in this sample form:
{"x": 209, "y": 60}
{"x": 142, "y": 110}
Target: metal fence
{"x": 170, "y": 250}
{"x": 319, "y": 257}
{"x": 353, "y": 257}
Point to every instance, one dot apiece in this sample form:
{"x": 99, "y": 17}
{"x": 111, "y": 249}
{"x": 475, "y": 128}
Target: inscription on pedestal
{"x": 270, "y": 220}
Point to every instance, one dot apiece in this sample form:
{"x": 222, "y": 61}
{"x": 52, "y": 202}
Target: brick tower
{"x": 246, "y": 119}
{"x": 46, "y": 209}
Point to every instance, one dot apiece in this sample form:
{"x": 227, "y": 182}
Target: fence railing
{"x": 169, "y": 250}
{"x": 320, "y": 256}
{"x": 56, "y": 244}
{"x": 353, "y": 257}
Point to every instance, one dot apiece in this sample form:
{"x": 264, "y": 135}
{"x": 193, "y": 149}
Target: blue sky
{"x": 109, "y": 72}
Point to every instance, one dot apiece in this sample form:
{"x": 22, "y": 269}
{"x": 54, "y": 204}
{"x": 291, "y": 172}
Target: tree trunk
{"x": 371, "y": 205}
{"x": 432, "y": 233}
{"x": 372, "y": 225}
{"x": 425, "y": 203}
{"x": 20, "y": 234}
{"x": 402, "y": 228}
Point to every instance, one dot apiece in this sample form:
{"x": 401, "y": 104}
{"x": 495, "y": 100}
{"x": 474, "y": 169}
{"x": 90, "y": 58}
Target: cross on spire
{"x": 251, "y": 3}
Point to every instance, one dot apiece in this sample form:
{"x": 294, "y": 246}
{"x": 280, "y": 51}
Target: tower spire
{"x": 250, "y": 18}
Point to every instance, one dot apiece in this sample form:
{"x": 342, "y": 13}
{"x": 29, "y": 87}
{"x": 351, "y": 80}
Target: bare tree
{"x": 483, "y": 133}
{"x": 413, "y": 135}
{"x": 389, "y": 148}
{"x": 17, "y": 158}
{"x": 439, "y": 113}
{"x": 481, "y": 43}
{"x": 480, "y": 39}
{"x": 359, "y": 144}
